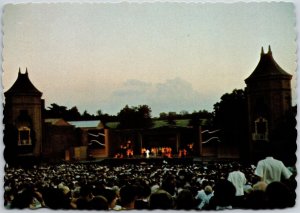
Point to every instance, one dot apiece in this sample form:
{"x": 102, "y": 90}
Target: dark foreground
{"x": 186, "y": 184}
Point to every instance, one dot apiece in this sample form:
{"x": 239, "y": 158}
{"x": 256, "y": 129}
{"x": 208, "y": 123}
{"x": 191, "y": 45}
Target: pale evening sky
{"x": 170, "y": 56}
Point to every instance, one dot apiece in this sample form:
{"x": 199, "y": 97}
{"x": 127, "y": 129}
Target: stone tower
{"x": 269, "y": 99}
{"x": 23, "y": 118}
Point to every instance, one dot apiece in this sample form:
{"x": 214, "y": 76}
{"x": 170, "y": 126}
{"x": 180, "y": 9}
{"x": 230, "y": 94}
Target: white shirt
{"x": 271, "y": 170}
{"x": 204, "y": 198}
{"x": 238, "y": 179}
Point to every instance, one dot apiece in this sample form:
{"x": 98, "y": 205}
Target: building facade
{"x": 269, "y": 100}
{"x": 23, "y": 118}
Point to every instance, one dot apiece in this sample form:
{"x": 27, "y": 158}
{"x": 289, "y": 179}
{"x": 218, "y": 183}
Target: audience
{"x": 186, "y": 186}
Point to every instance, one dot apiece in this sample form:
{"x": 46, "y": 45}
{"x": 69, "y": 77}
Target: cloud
{"x": 172, "y": 95}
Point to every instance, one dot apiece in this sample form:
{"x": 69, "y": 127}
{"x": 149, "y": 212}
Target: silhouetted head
{"x": 85, "y": 190}
{"x": 111, "y": 197}
{"x": 279, "y": 195}
{"x": 128, "y": 194}
{"x": 161, "y": 199}
{"x": 185, "y": 200}
{"x": 99, "y": 203}
{"x": 224, "y": 192}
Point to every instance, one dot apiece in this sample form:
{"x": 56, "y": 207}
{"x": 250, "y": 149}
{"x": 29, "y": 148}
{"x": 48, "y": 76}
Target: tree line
{"x": 229, "y": 113}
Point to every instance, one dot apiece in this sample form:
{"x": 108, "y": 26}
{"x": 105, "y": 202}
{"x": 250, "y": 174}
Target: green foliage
{"x": 171, "y": 118}
{"x": 231, "y": 116}
{"x": 135, "y": 117}
{"x": 197, "y": 118}
{"x": 56, "y": 111}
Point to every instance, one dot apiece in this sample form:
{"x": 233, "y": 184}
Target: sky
{"x": 170, "y": 56}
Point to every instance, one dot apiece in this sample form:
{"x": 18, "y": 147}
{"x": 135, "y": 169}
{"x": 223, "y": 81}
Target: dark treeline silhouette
{"x": 231, "y": 115}
{"x": 72, "y": 114}
{"x": 135, "y": 117}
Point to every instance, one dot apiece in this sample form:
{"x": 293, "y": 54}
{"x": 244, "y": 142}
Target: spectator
{"x": 238, "y": 179}
{"x": 270, "y": 170}
{"x": 279, "y": 196}
{"x": 143, "y": 193}
{"x": 161, "y": 199}
{"x": 111, "y": 197}
{"x": 169, "y": 184}
{"x": 86, "y": 196}
{"x": 256, "y": 199}
{"x": 224, "y": 193}
{"x": 28, "y": 198}
{"x": 128, "y": 196}
{"x": 204, "y": 196}
{"x": 98, "y": 203}
{"x": 185, "y": 200}
{"x": 260, "y": 186}
{"x": 8, "y": 197}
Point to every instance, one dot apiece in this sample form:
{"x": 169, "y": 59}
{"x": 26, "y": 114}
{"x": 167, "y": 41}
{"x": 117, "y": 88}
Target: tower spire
{"x": 19, "y": 70}
{"x": 270, "y": 51}
{"x": 26, "y": 72}
{"x": 262, "y": 51}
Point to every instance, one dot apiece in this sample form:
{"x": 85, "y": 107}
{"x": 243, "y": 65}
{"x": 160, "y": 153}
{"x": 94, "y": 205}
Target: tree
{"x": 72, "y": 114}
{"x": 86, "y": 115}
{"x": 99, "y": 112}
{"x": 135, "y": 117}
{"x": 197, "y": 117}
{"x": 56, "y": 111}
{"x": 231, "y": 115}
{"x": 195, "y": 120}
{"x": 163, "y": 115}
{"x": 171, "y": 118}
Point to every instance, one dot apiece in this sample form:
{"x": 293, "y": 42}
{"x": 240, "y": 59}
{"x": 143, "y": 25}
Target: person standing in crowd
{"x": 238, "y": 179}
{"x": 271, "y": 169}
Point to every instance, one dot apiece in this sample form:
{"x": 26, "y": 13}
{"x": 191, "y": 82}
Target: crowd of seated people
{"x": 194, "y": 186}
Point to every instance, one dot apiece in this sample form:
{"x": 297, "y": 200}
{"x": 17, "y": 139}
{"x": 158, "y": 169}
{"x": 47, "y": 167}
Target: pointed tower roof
{"x": 23, "y": 86}
{"x": 267, "y": 67}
